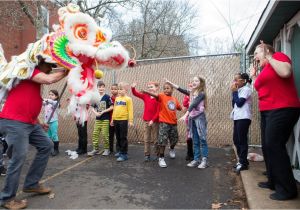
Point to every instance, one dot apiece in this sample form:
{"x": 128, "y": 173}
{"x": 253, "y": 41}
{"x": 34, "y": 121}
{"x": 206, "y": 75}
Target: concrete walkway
{"x": 258, "y": 198}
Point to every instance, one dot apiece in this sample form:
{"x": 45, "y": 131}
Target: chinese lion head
{"x": 79, "y": 45}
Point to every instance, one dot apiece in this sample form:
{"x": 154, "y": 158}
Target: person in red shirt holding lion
{"x": 20, "y": 124}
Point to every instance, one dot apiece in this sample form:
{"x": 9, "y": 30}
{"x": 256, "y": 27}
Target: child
{"x": 150, "y": 116}
{"x": 101, "y": 110}
{"x": 167, "y": 122}
{"x": 121, "y": 118}
{"x": 241, "y": 115}
{"x": 189, "y": 140}
{"x": 197, "y": 120}
{"x": 49, "y": 105}
{"x": 114, "y": 94}
{"x": 82, "y": 132}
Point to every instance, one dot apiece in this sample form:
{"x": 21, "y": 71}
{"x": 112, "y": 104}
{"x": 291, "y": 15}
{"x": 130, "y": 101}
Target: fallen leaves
{"x": 216, "y": 205}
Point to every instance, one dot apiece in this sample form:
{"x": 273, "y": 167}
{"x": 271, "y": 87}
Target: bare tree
{"x": 162, "y": 29}
{"x": 98, "y": 9}
{"x": 36, "y": 11}
{"x": 237, "y": 43}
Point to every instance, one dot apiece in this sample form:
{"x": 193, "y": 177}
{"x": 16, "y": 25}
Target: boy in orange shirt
{"x": 167, "y": 122}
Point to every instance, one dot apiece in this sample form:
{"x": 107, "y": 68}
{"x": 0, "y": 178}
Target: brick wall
{"x": 16, "y": 37}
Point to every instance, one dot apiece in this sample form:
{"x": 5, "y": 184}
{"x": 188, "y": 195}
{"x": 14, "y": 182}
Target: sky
{"x": 214, "y": 17}
{"x": 243, "y": 15}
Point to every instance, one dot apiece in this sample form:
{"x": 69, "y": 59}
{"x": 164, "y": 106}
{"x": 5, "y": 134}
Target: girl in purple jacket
{"x": 197, "y": 120}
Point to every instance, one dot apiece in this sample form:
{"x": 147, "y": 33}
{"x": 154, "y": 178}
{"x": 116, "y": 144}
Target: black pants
{"x": 82, "y": 137}
{"x": 121, "y": 129}
{"x": 112, "y": 139}
{"x": 276, "y": 128}
{"x": 240, "y": 139}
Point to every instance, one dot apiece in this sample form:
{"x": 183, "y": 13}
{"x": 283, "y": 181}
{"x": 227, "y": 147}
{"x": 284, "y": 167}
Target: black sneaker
{"x": 240, "y": 168}
{"x": 3, "y": 171}
{"x": 147, "y": 158}
{"x": 54, "y": 152}
{"x": 189, "y": 158}
{"x": 81, "y": 152}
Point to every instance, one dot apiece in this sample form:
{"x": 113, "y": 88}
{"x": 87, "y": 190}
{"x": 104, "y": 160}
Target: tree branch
{"x": 25, "y": 9}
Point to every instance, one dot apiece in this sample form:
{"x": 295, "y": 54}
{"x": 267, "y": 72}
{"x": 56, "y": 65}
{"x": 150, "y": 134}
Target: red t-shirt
{"x": 275, "y": 92}
{"x": 168, "y": 107}
{"x": 23, "y": 102}
{"x": 151, "y": 106}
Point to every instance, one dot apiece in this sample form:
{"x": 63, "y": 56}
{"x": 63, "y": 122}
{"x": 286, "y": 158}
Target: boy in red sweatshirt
{"x": 150, "y": 117}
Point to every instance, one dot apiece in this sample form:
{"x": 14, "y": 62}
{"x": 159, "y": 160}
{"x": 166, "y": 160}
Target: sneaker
{"x": 189, "y": 158}
{"x": 193, "y": 164}
{"x": 203, "y": 163}
{"x": 172, "y": 153}
{"x": 240, "y": 167}
{"x": 54, "y": 153}
{"x": 93, "y": 152}
{"x": 155, "y": 158}
{"x": 122, "y": 158}
{"x": 162, "y": 163}
{"x": 147, "y": 158}
{"x": 82, "y": 152}
{"x": 117, "y": 154}
{"x": 234, "y": 166}
{"x": 106, "y": 152}
{"x": 3, "y": 171}
{"x": 40, "y": 189}
{"x": 15, "y": 204}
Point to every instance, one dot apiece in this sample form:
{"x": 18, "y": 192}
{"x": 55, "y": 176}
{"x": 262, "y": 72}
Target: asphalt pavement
{"x": 101, "y": 182}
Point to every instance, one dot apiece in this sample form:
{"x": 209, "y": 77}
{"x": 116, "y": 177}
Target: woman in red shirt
{"x": 279, "y": 106}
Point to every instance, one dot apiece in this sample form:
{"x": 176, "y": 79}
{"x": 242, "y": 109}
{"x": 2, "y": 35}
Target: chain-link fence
{"x": 218, "y": 70}
{"x": 254, "y": 133}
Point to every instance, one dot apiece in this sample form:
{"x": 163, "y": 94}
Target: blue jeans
{"x": 199, "y": 143}
{"x": 18, "y": 137}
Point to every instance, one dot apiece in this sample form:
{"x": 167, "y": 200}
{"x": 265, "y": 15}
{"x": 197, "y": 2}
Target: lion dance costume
{"x": 78, "y": 45}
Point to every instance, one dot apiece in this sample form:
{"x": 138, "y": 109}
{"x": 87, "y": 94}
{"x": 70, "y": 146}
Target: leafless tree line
{"x": 158, "y": 28}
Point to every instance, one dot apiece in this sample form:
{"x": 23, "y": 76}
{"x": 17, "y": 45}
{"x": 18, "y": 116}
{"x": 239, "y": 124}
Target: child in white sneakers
{"x": 167, "y": 122}
{"x": 196, "y": 120}
{"x": 101, "y": 110}
{"x": 241, "y": 115}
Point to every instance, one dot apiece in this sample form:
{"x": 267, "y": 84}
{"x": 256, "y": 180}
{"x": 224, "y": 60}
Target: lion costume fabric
{"x": 76, "y": 44}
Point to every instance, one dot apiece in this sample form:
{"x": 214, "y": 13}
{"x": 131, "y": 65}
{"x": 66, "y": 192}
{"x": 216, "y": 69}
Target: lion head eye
{"x": 81, "y": 32}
